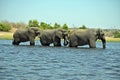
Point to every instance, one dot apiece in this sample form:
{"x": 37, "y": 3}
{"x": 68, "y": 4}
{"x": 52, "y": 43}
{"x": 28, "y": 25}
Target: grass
{"x": 9, "y": 36}
{"x": 6, "y": 35}
{"x": 110, "y": 39}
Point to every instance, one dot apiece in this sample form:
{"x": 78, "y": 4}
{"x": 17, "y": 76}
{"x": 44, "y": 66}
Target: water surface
{"x": 26, "y": 62}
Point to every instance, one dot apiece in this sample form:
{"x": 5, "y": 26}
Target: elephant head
{"x": 65, "y": 37}
{"x": 34, "y": 31}
{"x": 100, "y": 35}
{"x": 62, "y": 34}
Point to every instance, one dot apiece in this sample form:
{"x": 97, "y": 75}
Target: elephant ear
{"x": 58, "y": 33}
{"x": 34, "y": 30}
{"x": 31, "y": 32}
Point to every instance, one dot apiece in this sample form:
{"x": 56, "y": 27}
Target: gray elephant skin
{"x": 53, "y": 36}
{"x": 28, "y": 34}
{"x": 86, "y": 37}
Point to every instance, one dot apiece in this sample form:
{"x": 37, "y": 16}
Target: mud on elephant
{"x": 86, "y": 37}
{"x": 53, "y": 36}
{"x": 28, "y": 34}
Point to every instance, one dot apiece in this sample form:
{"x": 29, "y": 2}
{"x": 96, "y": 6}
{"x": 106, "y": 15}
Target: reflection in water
{"x": 26, "y": 62}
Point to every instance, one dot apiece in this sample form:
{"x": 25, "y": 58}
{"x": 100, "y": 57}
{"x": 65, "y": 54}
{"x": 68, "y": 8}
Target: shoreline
{"x": 9, "y": 36}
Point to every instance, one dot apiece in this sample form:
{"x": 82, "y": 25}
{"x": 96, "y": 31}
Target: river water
{"x": 26, "y": 62}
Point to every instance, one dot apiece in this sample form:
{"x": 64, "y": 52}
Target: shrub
{"x": 4, "y": 26}
{"x": 117, "y": 34}
{"x": 44, "y": 25}
{"x": 83, "y": 27}
{"x": 33, "y": 23}
{"x": 65, "y": 26}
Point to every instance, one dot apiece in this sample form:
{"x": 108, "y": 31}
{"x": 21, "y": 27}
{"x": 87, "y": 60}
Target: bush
{"x": 4, "y": 26}
{"x": 56, "y": 26}
{"x": 33, "y": 23}
{"x": 83, "y": 27}
{"x": 117, "y": 34}
{"x": 65, "y": 26}
{"x": 44, "y": 25}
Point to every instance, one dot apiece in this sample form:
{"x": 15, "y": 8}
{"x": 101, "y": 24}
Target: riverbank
{"x": 6, "y": 35}
{"x": 9, "y": 36}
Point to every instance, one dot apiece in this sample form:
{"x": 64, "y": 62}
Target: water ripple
{"x": 26, "y": 62}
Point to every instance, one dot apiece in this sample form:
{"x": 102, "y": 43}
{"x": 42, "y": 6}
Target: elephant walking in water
{"x": 86, "y": 37}
{"x": 53, "y": 36}
{"x": 28, "y": 34}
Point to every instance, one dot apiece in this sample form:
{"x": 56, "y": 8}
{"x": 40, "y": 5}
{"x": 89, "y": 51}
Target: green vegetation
{"x": 83, "y": 27}
{"x": 6, "y": 35}
{"x": 43, "y": 25}
{"x": 5, "y": 26}
{"x": 8, "y": 28}
{"x": 33, "y": 23}
{"x": 117, "y": 34}
{"x": 65, "y": 26}
{"x": 110, "y": 39}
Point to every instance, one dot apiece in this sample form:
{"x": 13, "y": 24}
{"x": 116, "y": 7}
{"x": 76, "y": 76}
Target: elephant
{"x": 28, "y": 34}
{"x": 86, "y": 37}
{"x": 53, "y": 36}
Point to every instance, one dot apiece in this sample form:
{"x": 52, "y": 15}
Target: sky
{"x": 75, "y": 13}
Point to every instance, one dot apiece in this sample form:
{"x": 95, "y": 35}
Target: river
{"x": 26, "y": 62}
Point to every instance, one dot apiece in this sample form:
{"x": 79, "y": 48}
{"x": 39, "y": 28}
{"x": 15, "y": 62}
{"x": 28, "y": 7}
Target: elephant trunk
{"x": 103, "y": 42}
{"x": 66, "y": 41}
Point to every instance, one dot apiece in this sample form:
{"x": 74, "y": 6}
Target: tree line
{"x": 43, "y": 25}
{"x": 7, "y": 26}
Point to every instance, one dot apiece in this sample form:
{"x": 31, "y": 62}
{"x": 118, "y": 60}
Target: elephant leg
{"x": 15, "y": 42}
{"x": 73, "y": 43}
{"x": 32, "y": 41}
{"x": 92, "y": 44}
{"x": 46, "y": 44}
{"x": 57, "y": 42}
{"x": 70, "y": 44}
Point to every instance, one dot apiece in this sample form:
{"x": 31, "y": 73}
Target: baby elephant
{"x": 28, "y": 34}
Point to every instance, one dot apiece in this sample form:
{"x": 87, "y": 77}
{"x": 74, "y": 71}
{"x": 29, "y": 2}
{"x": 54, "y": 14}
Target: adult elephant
{"x": 86, "y": 37}
{"x": 28, "y": 34}
{"x": 53, "y": 36}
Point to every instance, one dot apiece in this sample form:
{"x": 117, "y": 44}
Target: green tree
{"x": 44, "y": 25}
{"x": 83, "y": 27}
{"x": 56, "y": 26}
{"x": 49, "y": 26}
{"x": 5, "y": 26}
{"x": 117, "y": 34}
{"x": 33, "y": 23}
{"x": 30, "y": 23}
{"x": 65, "y": 26}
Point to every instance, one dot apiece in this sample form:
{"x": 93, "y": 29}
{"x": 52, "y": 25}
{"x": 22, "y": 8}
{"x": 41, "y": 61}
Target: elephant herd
{"x": 74, "y": 38}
